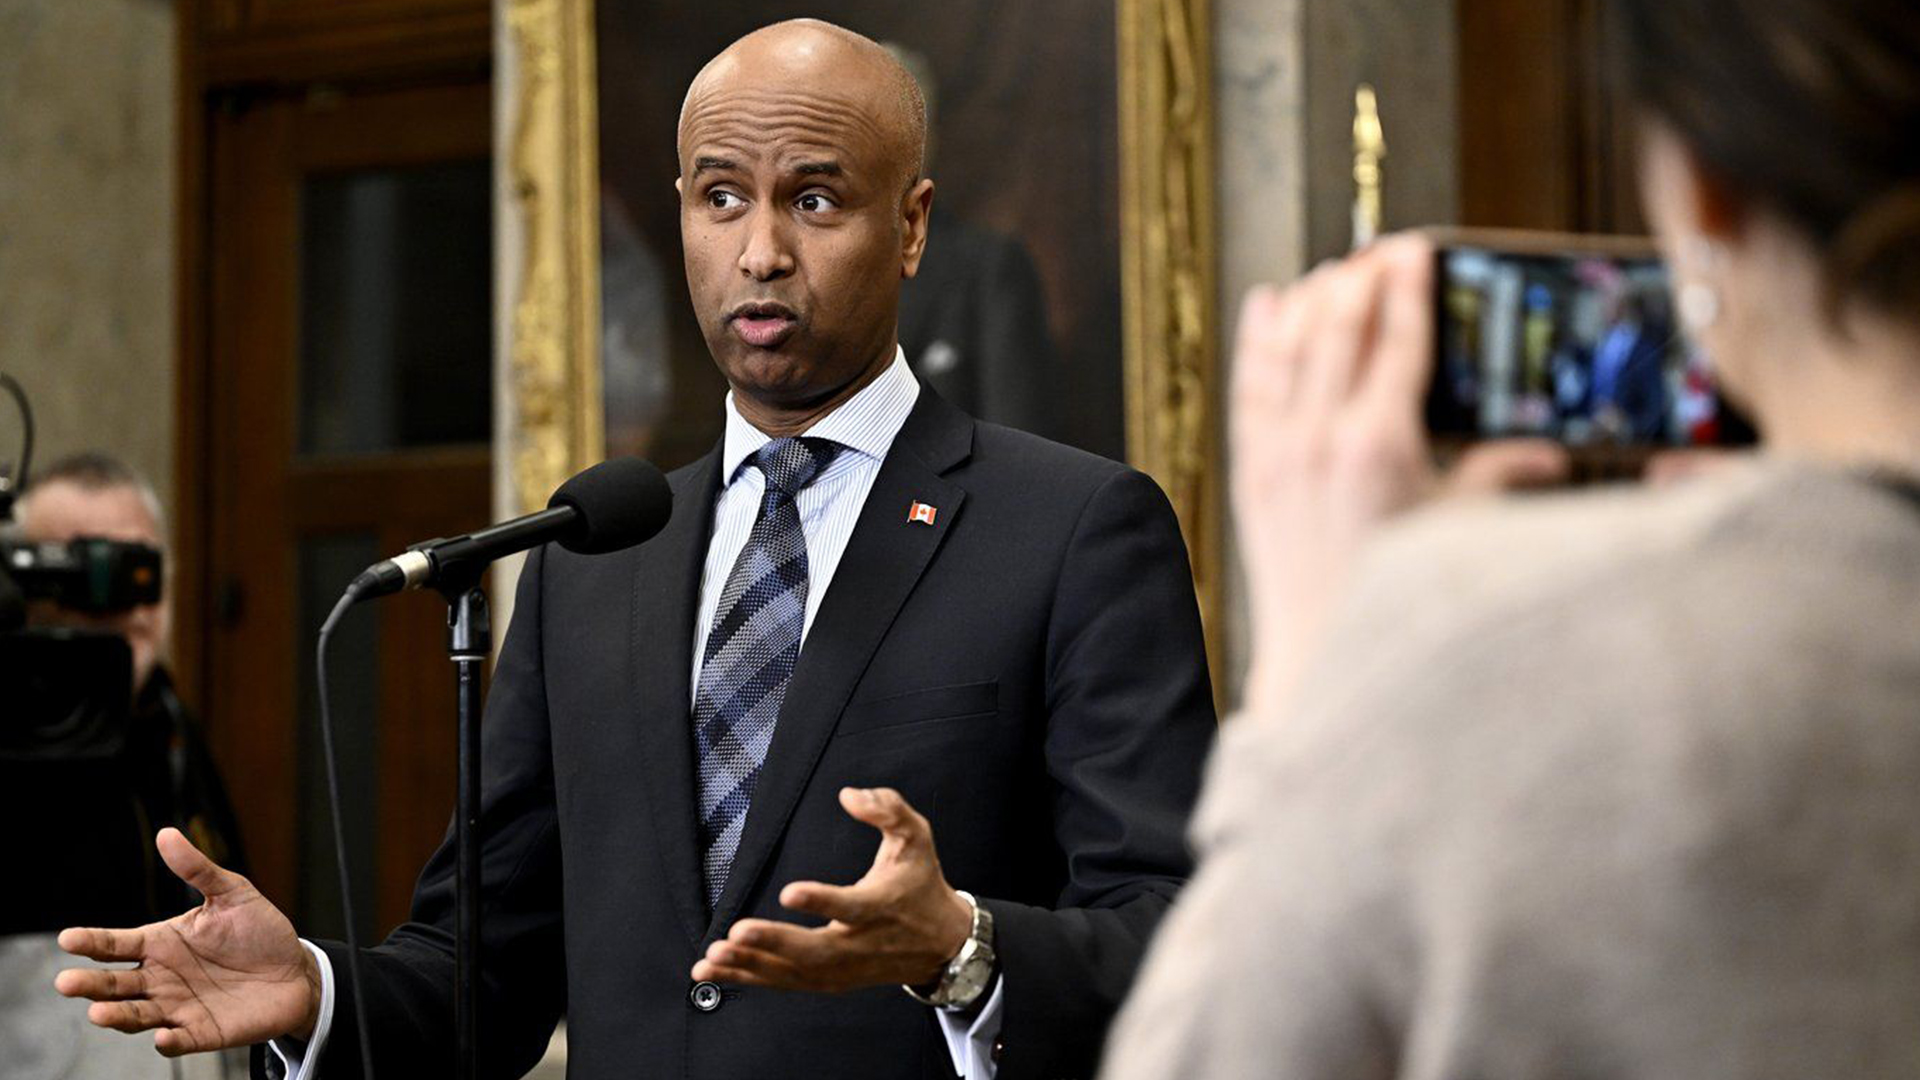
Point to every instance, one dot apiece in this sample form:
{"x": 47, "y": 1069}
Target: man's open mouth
{"x": 764, "y": 325}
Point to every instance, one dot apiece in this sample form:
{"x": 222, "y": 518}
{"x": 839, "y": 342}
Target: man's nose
{"x": 767, "y": 255}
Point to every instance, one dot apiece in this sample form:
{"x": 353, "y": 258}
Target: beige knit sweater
{"x": 1621, "y": 785}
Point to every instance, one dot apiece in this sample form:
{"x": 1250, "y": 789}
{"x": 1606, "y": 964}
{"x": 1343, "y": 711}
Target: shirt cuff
{"x": 971, "y": 1042}
{"x": 298, "y": 1060}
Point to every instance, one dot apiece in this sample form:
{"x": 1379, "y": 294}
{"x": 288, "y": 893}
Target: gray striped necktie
{"x": 751, "y": 651}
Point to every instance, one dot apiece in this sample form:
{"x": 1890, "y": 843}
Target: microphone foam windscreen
{"x": 621, "y": 502}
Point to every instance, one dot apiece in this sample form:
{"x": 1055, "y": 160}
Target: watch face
{"x": 968, "y": 973}
{"x": 972, "y": 972}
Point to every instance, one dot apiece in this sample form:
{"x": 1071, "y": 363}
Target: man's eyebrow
{"x": 819, "y": 168}
{"x": 704, "y": 164}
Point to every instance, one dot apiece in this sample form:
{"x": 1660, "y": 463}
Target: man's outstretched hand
{"x": 231, "y": 972}
{"x": 900, "y": 923}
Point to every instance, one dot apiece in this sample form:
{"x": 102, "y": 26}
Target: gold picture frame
{"x": 555, "y": 422}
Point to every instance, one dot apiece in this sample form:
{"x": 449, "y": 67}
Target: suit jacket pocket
{"x": 920, "y": 707}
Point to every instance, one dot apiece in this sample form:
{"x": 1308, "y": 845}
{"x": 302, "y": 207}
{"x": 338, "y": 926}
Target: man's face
{"x": 58, "y": 512}
{"x": 798, "y": 226}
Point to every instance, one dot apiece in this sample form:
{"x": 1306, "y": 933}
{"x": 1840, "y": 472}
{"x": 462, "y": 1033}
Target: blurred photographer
{"x": 71, "y": 855}
{"x": 93, "y": 495}
{"x": 1620, "y": 784}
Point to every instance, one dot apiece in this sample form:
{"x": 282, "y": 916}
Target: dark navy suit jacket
{"x": 1028, "y": 671}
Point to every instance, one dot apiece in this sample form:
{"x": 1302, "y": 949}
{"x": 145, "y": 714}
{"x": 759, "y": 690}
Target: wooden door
{"x": 1546, "y": 137}
{"x": 348, "y": 408}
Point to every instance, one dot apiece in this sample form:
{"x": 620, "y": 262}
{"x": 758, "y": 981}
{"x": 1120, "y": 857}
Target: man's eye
{"x": 723, "y": 200}
{"x": 814, "y": 202}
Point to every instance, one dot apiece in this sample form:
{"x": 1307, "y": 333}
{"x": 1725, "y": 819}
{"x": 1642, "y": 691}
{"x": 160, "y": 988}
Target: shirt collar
{"x": 865, "y": 423}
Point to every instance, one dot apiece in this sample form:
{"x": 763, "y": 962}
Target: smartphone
{"x": 1574, "y": 338}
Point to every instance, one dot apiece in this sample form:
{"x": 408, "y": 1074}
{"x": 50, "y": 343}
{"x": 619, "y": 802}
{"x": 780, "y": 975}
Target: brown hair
{"x": 1810, "y": 107}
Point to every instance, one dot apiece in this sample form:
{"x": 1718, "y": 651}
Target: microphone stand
{"x": 469, "y": 640}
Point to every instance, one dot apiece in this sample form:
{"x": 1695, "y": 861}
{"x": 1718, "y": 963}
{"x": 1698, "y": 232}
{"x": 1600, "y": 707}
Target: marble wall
{"x": 86, "y": 226}
{"x": 1285, "y": 72}
{"x": 1407, "y": 50}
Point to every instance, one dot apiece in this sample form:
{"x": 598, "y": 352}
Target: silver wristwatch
{"x": 968, "y": 973}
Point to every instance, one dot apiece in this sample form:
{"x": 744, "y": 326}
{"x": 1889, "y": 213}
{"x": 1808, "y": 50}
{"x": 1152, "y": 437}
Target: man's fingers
{"x": 101, "y": 984}
{"x": 708, "y": 971}
{"x": 795, "y": 944}
{"x": 176, "y": 1042}
{"x": 885, "y": 809}
{"x": 811, "y": 954}
{"x": 97, "y": 944}
{"x": 190, "y": 865}
{"x": 127, "y": 1016}
{"x": 730, "y": 961}
{"x": 1508, "y": 465}
{"x": 847, "y": 903}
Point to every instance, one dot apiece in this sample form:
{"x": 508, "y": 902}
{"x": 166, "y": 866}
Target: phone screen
{"x": 1583, "y": 348}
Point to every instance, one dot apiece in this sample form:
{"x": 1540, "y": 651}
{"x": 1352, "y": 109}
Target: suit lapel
{"x": 665, "y": 601}
{"x": 885, "y": 558}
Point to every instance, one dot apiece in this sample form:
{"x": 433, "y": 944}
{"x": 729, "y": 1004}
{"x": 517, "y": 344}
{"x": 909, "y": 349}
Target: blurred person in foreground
{"x": 1617, "y": 784}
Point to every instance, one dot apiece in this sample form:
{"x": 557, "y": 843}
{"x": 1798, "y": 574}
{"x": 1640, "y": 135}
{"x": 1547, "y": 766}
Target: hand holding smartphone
{"x": 1574, "y": 338}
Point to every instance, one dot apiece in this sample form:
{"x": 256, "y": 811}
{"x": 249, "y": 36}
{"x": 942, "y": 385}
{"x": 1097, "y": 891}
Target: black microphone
{"x": 613, "y": 505}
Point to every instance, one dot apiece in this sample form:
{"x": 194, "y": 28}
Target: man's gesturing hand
{"x": 228, "y": 973}
{"x": 900, "y": 923}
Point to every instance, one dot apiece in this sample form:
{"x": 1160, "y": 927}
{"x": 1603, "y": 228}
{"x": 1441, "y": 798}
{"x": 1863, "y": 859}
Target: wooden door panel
{"x": 1546, "y": 138}
{"x": 296, "y": 14}
{"x": 250, "y": 684}
{"x": 268, "y": 502}
{"x": 304, "y": 43}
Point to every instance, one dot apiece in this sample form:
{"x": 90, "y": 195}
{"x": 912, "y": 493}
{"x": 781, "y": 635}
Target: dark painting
{"x": 1015, "y": 315}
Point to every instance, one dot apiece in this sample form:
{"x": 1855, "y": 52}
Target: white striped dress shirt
{"x": 829, "y": 507}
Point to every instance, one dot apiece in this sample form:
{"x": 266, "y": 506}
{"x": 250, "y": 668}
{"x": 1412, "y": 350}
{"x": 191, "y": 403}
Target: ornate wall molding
{"x": 1167, "y": 270}
{"x": 557, "y": 423}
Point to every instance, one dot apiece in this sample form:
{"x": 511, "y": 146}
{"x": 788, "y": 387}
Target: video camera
{"x": 67, "y": 723}
{"x": 89, "y": 574}
{"x": 67, "y": 692}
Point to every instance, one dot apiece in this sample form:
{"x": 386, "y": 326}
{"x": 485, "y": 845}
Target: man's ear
{"x": 916, "y": 209}
{"x": 679, "y": 186}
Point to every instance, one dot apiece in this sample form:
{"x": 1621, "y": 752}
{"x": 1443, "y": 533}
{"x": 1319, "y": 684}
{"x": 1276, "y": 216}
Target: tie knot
{"x": 791, "y": 464}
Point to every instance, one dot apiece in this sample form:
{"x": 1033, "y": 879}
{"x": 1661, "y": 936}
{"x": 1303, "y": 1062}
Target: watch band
{"x": 966, "y": 976}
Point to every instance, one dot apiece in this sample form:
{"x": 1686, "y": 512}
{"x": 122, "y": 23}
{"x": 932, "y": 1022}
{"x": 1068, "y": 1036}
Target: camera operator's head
{"x": 1782, "y": 172}
{"x": 94, "y": 495}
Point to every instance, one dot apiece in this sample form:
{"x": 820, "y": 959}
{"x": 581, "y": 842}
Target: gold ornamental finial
{"x": 1369, "y": 179}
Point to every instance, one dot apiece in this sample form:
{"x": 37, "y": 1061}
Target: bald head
{"x": 802, "y": 208}
{"x": 806, "y": 59}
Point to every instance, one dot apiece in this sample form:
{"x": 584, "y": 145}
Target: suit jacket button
{"x": 705, "y": 996}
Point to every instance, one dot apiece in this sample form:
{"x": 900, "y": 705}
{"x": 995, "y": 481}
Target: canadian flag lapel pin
{"x": 922, "y": 513}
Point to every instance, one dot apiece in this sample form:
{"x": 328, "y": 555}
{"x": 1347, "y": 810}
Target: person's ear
{"x": 1682, "y": 196}
{"x": 679, "y": 186}
{"x": 916, "y": 209}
